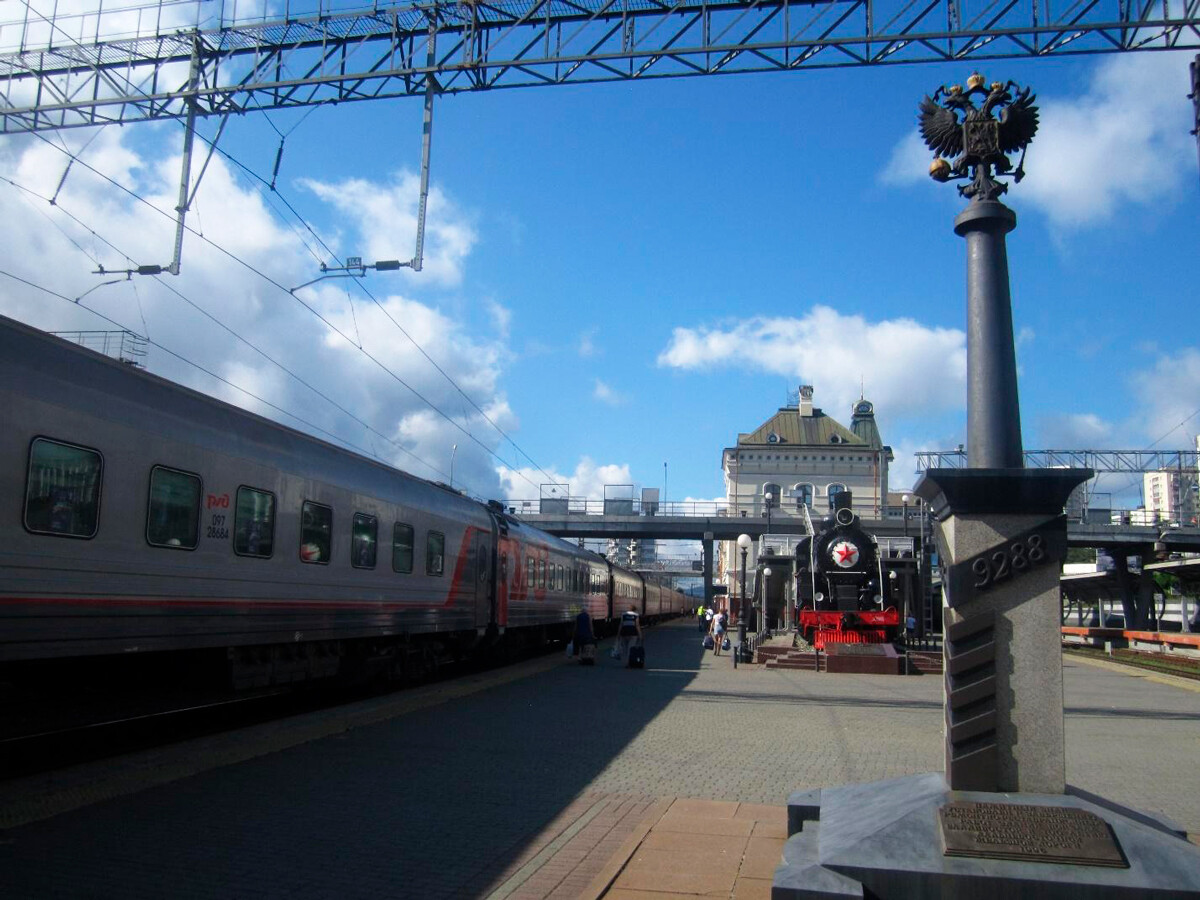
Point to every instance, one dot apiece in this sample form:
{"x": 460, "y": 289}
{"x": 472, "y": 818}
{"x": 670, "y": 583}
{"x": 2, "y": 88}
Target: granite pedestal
{"x": 882, "y": 840}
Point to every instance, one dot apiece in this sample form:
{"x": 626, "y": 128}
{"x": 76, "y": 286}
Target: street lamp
{"x": 904, "y": 499}
{"x": 768, "y": 502}
{"x": 762, "y": 606}
{"x": 743, "y": 542}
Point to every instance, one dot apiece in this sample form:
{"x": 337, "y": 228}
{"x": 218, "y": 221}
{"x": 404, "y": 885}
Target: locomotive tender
{"x": 144, "y": 517}
{"x": 844, "y": 596}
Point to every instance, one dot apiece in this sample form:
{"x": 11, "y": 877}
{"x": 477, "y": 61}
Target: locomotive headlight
{"x": 892, "y": 575}
{"x": 878, "y": 598}
{"x": 818, "y": 596}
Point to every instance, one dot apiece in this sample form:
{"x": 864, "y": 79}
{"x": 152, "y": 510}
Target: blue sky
{"x": 623, "y": 276}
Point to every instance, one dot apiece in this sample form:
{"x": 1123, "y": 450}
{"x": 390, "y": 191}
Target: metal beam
{"x": 1098, "y": 460}
{"x": 376, "y": 52}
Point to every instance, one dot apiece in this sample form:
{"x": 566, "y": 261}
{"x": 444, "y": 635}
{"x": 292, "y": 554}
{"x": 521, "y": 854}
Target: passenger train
{"x": 143, "y": 517}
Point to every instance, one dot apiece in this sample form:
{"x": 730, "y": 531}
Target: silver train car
{"x": 144, "y": 517}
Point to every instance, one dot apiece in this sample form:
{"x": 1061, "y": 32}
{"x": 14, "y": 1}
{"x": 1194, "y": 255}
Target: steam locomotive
{"x": 844, "y": 596}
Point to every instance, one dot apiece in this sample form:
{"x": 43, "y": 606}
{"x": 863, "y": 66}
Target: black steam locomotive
{"x": 844, "y": 596}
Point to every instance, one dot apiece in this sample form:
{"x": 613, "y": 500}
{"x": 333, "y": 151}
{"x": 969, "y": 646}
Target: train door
{"x": 485, "y": 577}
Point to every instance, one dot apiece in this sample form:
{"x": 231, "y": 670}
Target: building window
{"x": 316, "y": 533}
{"x": 402, "y": 548}
{"x": 173, "y": 516}
{"x": 254, "y": 523}
{"x": 804, "y": 495}
{"x": 363, "y": 534}
{"x": 62, "y": 489}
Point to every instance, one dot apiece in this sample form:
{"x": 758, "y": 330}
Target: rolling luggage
{"x": 637, "y": 657}
{"x": 725, "y": 645}
{"x": 587, "y": 655}
{"x": 708, "y": 642}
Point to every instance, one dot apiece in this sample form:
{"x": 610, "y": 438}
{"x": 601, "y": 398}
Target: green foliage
{"x": 1081, "y": 555}
{"x": 1167, "y": 583}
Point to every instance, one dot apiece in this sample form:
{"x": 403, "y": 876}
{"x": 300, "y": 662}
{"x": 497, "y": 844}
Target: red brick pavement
{"x": 620, "y": 847}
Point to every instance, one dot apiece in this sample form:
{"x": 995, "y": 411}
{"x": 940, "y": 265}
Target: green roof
{"x": 792, "y": 428}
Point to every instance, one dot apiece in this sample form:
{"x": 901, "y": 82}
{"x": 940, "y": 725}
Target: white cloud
{"x": 606, "y": 394}
{"x": 907, "y": 368}
{"x": 1075, "y": 431}
{"x": 60, "y": 254}
{"x": 1169, "y": 395}
{"x": 384, "y": 224}
{"x": 587, "y": 347}
{"x": 1116, "y": 144}
{"x": 586, "y": 482}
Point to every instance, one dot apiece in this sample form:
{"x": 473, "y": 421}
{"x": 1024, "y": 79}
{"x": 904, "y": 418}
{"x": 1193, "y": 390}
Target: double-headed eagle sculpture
{"x": 976, "y": 140}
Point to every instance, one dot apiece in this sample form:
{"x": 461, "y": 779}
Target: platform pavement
{"x": 544, "y": 780}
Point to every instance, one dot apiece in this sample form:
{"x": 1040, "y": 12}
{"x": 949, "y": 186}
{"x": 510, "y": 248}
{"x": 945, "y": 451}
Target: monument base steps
{"x": 883, "y": 841}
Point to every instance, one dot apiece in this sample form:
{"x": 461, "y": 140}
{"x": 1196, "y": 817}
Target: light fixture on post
{"x": 743, "y": 543}
{"x": 904, "y": 500}
{"x": 762, "y": 603}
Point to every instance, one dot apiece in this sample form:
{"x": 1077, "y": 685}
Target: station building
{"x": 800, "y": 457}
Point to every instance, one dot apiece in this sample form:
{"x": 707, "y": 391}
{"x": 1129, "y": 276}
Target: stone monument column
{"x": 999, "y": 527}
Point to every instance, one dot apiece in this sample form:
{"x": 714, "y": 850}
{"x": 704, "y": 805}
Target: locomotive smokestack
{"x": 842, "y": 500}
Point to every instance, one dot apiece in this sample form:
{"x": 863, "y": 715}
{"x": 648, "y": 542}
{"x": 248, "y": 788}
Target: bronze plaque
{"x": 1053, "y": 834}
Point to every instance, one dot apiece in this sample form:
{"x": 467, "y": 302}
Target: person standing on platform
{"x": 718, "y": 630}
{"x": 629, "y": 631}
{"x": 585, "y": 636}
{"x": 700, "y": 623}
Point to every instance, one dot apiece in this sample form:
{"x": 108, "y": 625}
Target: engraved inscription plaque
{"x": 1053, "y": 834}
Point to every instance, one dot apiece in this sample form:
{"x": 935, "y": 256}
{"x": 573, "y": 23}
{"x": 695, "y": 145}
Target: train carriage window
{"x": 530, "y": 573}
{"x": 541, "y": 575}
{"x": 435, "y": 553}
{"x": 173, "y": 516}
{"x": 402, "y": 548}
{"x": 254, "y": 523}
{"x": 62, "y": 490}
{"x": 364, "y": 533}
{"x": 558, "y": 581}
{"x": 316, "y": 533}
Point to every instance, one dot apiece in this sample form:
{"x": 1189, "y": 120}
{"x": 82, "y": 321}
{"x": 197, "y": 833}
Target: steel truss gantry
{"x": 1099, "y": 461}
{"x": 381, "y": 51}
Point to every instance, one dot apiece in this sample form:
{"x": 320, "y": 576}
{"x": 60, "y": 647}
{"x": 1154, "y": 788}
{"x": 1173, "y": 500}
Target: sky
{"x": 620, "y": 278}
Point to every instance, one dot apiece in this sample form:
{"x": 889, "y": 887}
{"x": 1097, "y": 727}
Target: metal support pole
{"x": 707, "y": 545}
{"x": 431, "y": 87}
{"x": 743, "y": 614}
{"x": 189, "y": 136}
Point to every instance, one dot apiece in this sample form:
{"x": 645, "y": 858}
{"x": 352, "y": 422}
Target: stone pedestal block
{"x": 1002, "y": 538}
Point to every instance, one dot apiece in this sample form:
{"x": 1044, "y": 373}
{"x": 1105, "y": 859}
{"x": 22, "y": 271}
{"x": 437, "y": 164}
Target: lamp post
{"x": 904, "y": 500}
{"x": 453, "y": 453}
{"x": 743, "y": 543}
{"x": 762, "y": 604}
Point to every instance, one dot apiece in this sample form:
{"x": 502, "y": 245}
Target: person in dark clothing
{"x": 585, "y": 637}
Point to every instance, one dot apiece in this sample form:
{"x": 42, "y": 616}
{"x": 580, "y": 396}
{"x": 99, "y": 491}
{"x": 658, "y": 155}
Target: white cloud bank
{"x": 905, "y": 367}
{"x": 1119, "y": 143}
{"x": 47, "y": 247}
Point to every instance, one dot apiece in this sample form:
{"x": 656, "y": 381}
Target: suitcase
{"x": 637, "y": 657}
{"x": 587, "y": 655}
{"x": 725, "y": 645}
{"x": 708, "y": 642}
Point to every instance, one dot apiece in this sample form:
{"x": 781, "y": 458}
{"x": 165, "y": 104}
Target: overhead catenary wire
{"x": 272, "y": 186}
{"x": 171, "y": 288}
{"x": 250, "y": 267}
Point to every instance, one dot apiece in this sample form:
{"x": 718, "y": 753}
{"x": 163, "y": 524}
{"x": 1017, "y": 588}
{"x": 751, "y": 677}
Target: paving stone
{"x": 459, "y": 791}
